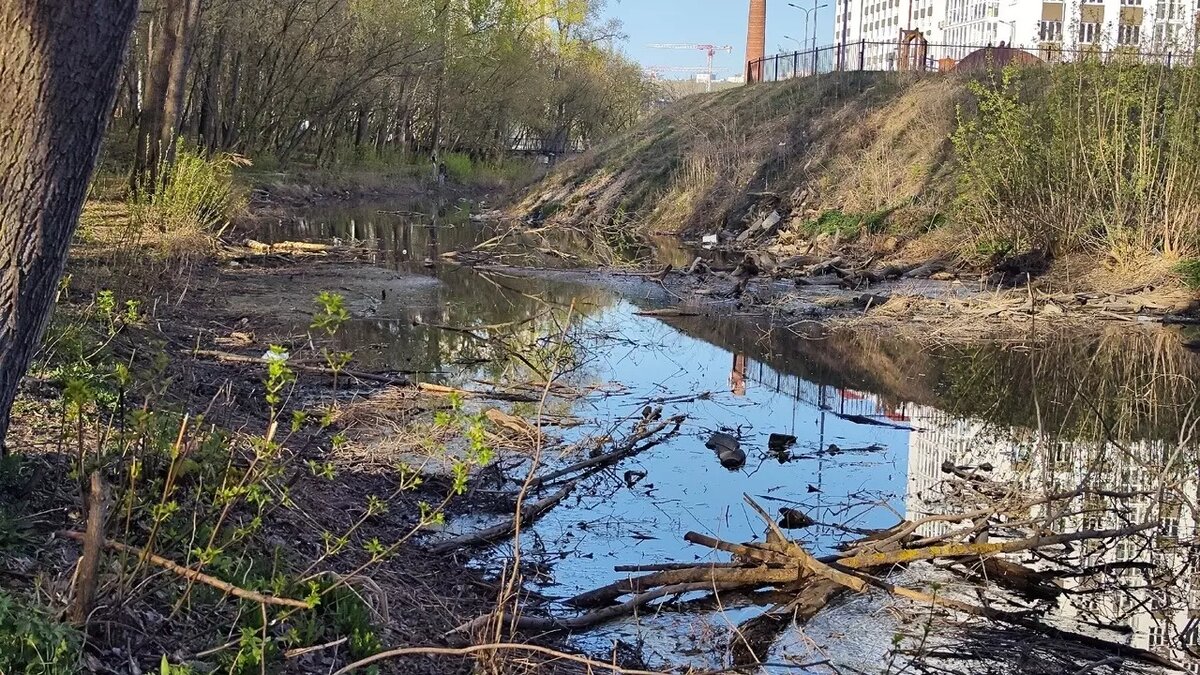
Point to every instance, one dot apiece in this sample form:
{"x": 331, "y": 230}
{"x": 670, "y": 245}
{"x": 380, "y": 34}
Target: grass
{"x": 846, "y": 225}
{"x": 1188, "y": 272}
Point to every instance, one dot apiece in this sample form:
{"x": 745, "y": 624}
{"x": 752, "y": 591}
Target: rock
{"x": 791, "y": 519}
{"x": 765, "y": 226}
{"x": 728, "y": 450}
{"x": 778, "y": 442}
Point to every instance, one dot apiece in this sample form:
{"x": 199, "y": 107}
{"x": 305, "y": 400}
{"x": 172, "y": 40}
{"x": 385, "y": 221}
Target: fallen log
{"x": 627, "y": 448}
{"x": 495, "y": 395}
{"x": 758, "y": 576}
{"x": 228, "y": 357}
{"x": 287, "y": 247}
{"x": 529, "y": 513}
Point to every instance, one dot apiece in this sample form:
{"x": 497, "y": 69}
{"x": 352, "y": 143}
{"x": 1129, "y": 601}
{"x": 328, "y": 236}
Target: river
{"x": 875, "y": 418}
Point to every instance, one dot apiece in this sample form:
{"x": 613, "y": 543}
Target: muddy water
{"x": 875, "y": 419}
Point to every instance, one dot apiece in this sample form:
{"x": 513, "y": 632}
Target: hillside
{"x": 859, "y": 143}
{"x": 1080, "y": 165}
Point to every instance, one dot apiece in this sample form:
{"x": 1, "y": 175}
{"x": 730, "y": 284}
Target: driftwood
{"x": 287, "y": 247}
{"x": 529, "y": 513}
{"x": 646, "y": 430}
{"x": 780, "y": 562}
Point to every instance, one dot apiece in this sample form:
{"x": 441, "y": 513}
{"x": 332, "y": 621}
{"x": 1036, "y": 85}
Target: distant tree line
{"x": 315, "y": 79}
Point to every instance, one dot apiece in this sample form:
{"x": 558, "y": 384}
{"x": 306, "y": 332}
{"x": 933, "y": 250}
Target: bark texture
{"x": 59, "y": 63}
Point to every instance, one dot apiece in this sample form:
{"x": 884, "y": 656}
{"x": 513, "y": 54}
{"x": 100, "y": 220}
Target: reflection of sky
{"x": 685, "y": 487}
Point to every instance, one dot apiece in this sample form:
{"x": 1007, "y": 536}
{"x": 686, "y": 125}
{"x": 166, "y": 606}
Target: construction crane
{"x": 709, "y": 50}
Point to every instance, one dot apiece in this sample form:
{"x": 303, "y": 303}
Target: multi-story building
{"x": 1053, "y": 29}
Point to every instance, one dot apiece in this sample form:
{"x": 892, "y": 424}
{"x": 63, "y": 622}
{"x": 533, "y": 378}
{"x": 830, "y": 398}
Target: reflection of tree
{"x": 505, "y": 327}
{"x": 1126, "y": 383}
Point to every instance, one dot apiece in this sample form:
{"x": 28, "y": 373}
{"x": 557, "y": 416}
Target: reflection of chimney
{"x": 756, "y": 40}
{"x": 737, "y": 377}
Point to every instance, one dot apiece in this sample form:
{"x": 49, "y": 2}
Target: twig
{"x": 963, "y": 550}
{"x": 627, "y": 448}
{"x": 89, "y": 560}
{"x": 193, "y": 575}
{"x": 301, "y": 651}
{"x": 498, "y": 646}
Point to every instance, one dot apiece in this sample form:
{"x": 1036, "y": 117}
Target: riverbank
{"x": 268, "y": 495}
{"x": 870, "y": 172}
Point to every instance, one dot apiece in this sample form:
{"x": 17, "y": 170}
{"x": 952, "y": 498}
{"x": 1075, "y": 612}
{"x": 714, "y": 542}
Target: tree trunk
{"x": 59, "y": 63}
{"x": 173, "y": 32}
{"x": 210, "y": 96}
{"x": 181, "y": 62}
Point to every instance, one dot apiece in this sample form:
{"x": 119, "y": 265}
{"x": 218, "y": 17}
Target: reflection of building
{"x": 1158, "y": 604}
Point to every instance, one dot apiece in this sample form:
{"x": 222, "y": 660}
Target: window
{"x": 1157, "y": 636}
{"x": 1050, "y": 31}
{"x": 1136, "y": 3}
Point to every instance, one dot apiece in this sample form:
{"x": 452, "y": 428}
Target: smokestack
{"x": 756, "y": 40}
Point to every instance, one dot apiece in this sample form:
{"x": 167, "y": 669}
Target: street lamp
{"x": 809, "y": 12}
{"x": 789, "y": 37}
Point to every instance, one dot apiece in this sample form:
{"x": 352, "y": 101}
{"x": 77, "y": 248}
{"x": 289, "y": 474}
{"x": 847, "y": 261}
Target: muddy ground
{"x": 210, "y": 324}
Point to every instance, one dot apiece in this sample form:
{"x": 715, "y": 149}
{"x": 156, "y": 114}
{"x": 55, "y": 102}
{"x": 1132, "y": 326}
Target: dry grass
{"x": 860, "y": 142}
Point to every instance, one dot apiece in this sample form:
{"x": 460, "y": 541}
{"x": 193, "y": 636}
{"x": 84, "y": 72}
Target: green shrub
{"x": 31, "y": 643}
{"x": 195, "y": 194}
{"x": 1091, "y": 156}
{"x": 459, "y": 166}
{"x": 1188, "y": 271}
{"x": 847, "y": 225}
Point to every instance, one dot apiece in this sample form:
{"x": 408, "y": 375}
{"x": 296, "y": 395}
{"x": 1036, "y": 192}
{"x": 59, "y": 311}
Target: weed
{"x": 32, "y": 643}
{"x": 196, "y": 196}
{"x": 846, "y": 225}
{"x": 459, "y": 166}
{"x": 1189, "y": 271}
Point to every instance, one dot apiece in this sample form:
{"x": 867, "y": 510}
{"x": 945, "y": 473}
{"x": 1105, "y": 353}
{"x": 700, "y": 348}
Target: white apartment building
{"x": 1050, "y": 29}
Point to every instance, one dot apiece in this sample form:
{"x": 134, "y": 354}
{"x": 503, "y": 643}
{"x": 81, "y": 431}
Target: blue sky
{"x": 719, "y": 22}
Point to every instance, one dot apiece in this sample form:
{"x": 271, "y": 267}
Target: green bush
{"x": 1188, "y": 271}
{"x": 1087, "y": 156}
{"x": 195, "y": 194}
{"x": 847, "y": 225}
{"x": 459, "y": 166}
{"x": 31, "y": 643}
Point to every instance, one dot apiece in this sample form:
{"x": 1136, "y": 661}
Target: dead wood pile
{"x": 864, "y": 565}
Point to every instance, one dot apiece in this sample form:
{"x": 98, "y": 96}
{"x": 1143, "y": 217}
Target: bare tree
{"x": 59, "y": 62}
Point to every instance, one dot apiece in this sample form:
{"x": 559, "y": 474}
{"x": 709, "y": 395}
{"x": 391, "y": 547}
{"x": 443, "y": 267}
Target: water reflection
{"x": 875, "y": 417}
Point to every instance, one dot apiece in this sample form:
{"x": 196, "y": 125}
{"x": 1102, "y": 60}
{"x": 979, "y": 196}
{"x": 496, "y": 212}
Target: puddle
{"x": 875, "y": 420}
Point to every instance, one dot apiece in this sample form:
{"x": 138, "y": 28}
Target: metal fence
{"x": 894, "y": 56}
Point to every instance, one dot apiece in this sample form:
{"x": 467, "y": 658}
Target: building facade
{"x": 1051, "y": 29}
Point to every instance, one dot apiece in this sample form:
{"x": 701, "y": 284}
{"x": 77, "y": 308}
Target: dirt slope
{"x": 855, "y": 143}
